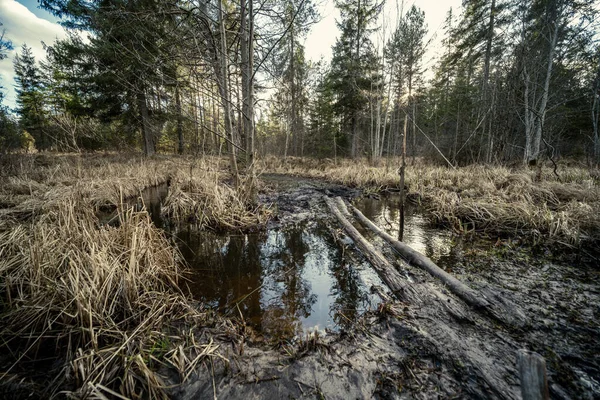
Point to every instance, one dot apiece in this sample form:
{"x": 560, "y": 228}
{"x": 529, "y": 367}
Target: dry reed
{"x": 201, "y": 195}
{"x": 98, "y": 299}
{"x": 92, "y": 307}
{"x": 494, "y": 200}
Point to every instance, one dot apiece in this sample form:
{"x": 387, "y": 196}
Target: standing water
{"x": 283, "y": 282}
{"x": 289, "y": 280}
{"x": 438, "y": 245}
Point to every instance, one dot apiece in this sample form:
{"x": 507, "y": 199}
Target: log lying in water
{"x": 417, "y": 259}
{"x": 386, "y": 271}
{"x": 502, "y": 311}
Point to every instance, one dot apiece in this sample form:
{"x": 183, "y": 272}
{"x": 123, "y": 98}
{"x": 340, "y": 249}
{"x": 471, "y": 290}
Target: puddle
{"x": 283, "y": 282}
{"x": 439, "y": 245}
{"x": 289, "y": 280}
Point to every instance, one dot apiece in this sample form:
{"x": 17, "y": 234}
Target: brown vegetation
{"x": 200, "y": 195}
{"x": 490, "y": 199}
{"x": 95, "y": 309}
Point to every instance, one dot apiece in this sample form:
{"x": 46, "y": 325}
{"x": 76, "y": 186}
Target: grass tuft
{"x": 491, "y": 199}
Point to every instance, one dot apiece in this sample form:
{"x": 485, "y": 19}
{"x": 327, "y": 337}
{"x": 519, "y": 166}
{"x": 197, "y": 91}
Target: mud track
{"x": 436, "y": 348}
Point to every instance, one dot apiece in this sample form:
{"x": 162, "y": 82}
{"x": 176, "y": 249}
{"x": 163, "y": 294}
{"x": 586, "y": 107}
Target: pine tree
{"x": 323, "y": 133}
{"x": 30, "y": 97}
{"x": 354, "y": 66}
{"x": 405, "y": 51}
{"x": 5, "y": 46}
{"x": 9, "y": 133}
{"x": 290, "y": 68}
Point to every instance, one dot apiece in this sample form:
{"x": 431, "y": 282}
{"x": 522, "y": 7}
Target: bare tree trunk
{"x": 146, "y": 127}
{"x": 402, "y": 174}
{"x": 244, "y": 70}
{"x": 595, "y": 115}
{"x": 536, "y": 107}
{"x": 354, "y": 135}
{"x": 179, "y": 119}
{"x": 294, "y": 106}
{"x": 355, "y": 87}
{"x": 486, "y": 72}
{"x": 386, "y": 271}
{"x": 541, "y": 112}
{"x": 222, "y": 70}
{"x": 250, "y": 114}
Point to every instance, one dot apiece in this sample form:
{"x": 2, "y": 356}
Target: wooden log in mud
{"x": 503, "y": 312}
{"x": 532, "y": 370}
{"x": 419, "y": 260}
{"x": 386, "y": 271}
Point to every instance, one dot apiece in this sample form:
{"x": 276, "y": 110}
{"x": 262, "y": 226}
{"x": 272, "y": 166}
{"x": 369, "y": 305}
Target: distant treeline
{"x": 513, "y": 81}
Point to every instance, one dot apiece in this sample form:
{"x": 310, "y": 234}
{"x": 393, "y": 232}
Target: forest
{"x": 192, "y": 206}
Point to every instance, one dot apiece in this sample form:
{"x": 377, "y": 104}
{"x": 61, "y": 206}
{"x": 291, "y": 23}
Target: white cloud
{"x": 22, "y": 26}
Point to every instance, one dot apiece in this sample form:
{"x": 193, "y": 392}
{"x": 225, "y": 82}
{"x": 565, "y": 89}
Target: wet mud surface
{"x": 304, "y": 291}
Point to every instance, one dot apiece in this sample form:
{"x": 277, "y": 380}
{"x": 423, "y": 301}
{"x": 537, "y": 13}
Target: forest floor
{"x": 440, "y": 348}
{"x": 545, "y": 265}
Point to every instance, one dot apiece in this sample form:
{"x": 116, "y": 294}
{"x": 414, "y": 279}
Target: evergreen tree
{"x": 30, "y": 97}
{"x": 355, "y": 65}
{"x": 323, "y": 133}
{"x": 129, "y": 50}
{"x": 9, "y": 133}
{"x": 290, "y": 68}
{"x": 405, "y": 52}
{"x": 5, "y": 46}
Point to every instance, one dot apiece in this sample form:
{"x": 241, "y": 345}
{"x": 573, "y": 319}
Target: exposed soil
{"x": 439, "y": 348}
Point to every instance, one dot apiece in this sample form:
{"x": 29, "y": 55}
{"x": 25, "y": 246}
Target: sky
{"x": 25, "y": 22}
{"x": 322, "y": 36}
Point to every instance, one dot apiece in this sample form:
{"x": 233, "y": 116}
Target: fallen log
{"x": 505, "y": 313}
{"x": 417, "y": 259}
{"x": 386, "y": 271}
{"x": 532, "y": 370}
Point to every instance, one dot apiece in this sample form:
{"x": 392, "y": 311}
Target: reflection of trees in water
{"x": 418, "y": 233}
{"x": 225, "y": 269}
{"x": 285, "y": 256}
{"x": 270, "y": 275}
{"x": 347, "y": 288}
{"x": 348, "y": 295}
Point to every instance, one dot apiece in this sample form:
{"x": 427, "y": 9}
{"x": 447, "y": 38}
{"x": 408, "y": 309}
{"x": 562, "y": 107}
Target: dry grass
{"x": 201, "y": 195}
{"x": 92, "y": 310}
{"x": 98, "y": 299}
{"x": 39, "y": 182}
{"x": 34, "y": 185}
{"x": 495, "y": 200}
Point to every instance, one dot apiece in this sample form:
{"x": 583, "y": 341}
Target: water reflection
{"x": 439, "y": 245}
{"x": 283, "y": 281}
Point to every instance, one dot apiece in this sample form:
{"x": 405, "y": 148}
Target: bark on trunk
{"x": 179, "y": 120}
{"x": 534, "y": 380}
{"x": 145, "y": 124}
{"x": 402, "y": 175}
{"x": 250, "y": 115}
{"x": 223, "y": 83}
{"x": 595, "y": 115}
{"x": 535, "y": 116}
{"x": 419, "y": 260}
{"x": 386, "y": 271}
{"x": 503, "y": 312}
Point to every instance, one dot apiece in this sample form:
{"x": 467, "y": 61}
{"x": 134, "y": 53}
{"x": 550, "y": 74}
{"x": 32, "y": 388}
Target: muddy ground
{"x": 436, "y": 348}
